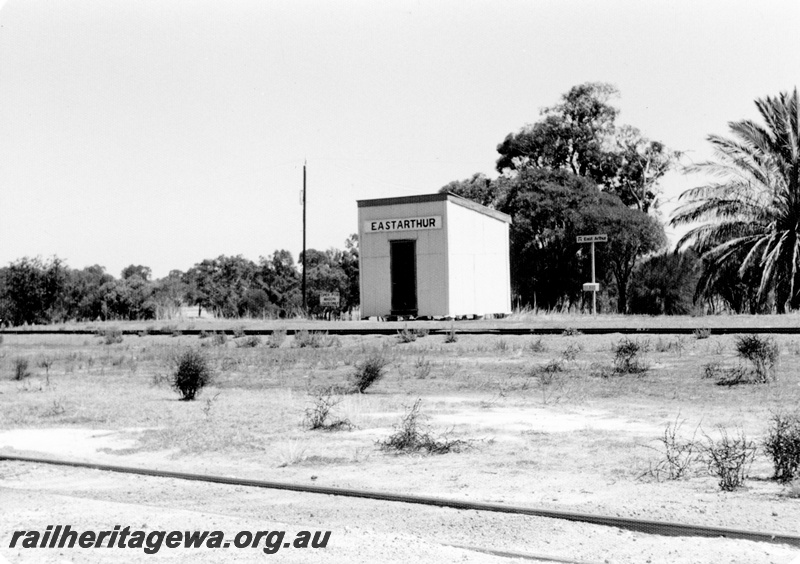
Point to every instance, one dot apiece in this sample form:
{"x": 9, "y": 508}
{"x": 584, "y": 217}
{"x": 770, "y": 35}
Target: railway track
{"x": 652, "y": 527}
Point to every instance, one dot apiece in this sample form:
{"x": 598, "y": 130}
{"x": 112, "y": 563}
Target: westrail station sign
{"x": 405, "y": 224}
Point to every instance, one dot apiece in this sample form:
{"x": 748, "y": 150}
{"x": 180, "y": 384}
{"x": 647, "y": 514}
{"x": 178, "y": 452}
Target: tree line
{"x": 576, "y": 171}
{"x": 35, "y": 290}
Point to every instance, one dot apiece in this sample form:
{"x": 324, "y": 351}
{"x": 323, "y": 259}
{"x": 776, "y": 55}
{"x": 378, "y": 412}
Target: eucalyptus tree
{"x": 749, "y": 213}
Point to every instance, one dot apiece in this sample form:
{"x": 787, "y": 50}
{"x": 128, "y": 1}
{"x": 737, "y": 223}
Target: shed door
{"x": 404, "y": 277}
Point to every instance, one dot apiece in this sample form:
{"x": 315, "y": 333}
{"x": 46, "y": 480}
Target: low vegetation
{"x": 368, "y": 371}
{"x": 192, "y": 373}
{"x": 782, "y": 445}
{"x": 320, "y": 415}
{"x": 628, "y": 356}
{"x": 729, "y": 458}
{"x": 412, "y": 435}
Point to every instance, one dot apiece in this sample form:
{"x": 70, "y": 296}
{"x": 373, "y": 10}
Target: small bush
{"x": 320, "y": 414}
{"x": 571, "y": 352}
{"x": 249, "y": 342}
{"x": 219, "y": 339}
{"x": 536, "y": 346}
{"x": 676, "y": 345}
{"x": 626, "y": 356}
{"x": 314, "y": 339}
{"x": 192, "y": 374}
{"x": 451, "y": 336}
{"x": 410, "y": 435}
{"x": 422, "y": 367}
{"x": 702, "y": 333}
{"x": 729, "y": 458}
{"x": 712, "y": 370}
{"x": 782, "y": 445}
{"x": 21, "y": 369}
{"x": 276, "y": 339}
{"x": 733, "y": 376}
{"x": 677, "y": 455}
{"x": 571, "y": 332}
{"x": 111, "y": 336}
{"x": 204, "y": 334}
{"x": 761, "y": 352}
{"x": 406, "y": 335}
{"x": 420, "y": 333}
{"x": 368, "y": 371}
{"x": 546, "y": 373}
{"x": 238, "y": 332}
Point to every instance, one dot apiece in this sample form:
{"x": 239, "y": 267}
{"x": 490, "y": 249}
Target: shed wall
{"x": 478, "y": 261}
{"x": 376, "y": 290}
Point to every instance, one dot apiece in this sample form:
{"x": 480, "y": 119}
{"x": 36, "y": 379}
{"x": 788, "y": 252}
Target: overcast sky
{"x": 162, "y": 133}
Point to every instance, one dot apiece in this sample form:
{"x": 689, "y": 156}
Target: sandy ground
{"x": 33, "y": 496}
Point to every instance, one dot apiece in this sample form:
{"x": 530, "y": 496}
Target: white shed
{"x": 434, "y": 255}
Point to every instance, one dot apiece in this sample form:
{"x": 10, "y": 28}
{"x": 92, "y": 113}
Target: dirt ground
{"x": 579, "y": 443}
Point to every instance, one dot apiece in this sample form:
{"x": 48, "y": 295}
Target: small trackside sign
{"x": 592, "y": 238}
{"x": 404, "y": 224}
{"x": 329, "y": 299}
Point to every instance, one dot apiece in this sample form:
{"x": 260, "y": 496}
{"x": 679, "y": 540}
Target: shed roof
{"x": 437, "y": 197}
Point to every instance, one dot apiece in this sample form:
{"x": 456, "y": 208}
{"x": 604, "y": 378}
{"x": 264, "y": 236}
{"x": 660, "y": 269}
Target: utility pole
{"x": 305, "y": 302}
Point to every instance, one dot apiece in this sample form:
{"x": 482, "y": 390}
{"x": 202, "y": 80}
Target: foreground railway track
{"x": 638, "y": 525}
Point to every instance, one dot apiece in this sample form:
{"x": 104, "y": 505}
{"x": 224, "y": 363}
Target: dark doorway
{"x": 404, "y": 277}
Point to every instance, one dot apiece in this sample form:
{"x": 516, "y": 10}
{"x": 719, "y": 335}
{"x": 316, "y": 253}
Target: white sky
{"x": 162, "y": 133}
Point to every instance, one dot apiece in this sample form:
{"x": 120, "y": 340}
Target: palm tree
{"x": 752, "y": 208}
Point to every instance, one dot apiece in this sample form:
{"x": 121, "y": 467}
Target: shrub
{"x": 368, "y": 371}
{"x": 677, "y": 345}
{"x": 412, "y": 436}
{"x": 21, "y": 369}
{"x": 451, "y": 336}
{"x": 678, "y": 455}
{"x": 238, "y": 332}
{"x": 422, "y": 367}
{"x": 421, "y": 332}
{"x": 407, "y": 335}
{"x": 320, "y": 414}
{"x": 547, "y": 372}
{"x": 276, "y": 339}
{"x": 192, "y": 374}
{"x": 732, "y": 376}
{"x": 204, "y": 334}
{"x": 247, "y": 342}
{"x": 111, "y": 336}
{"x": 571, "y": 352}
{"x": 702, "y": 333}
{"x": 782, "y": 445}
{"x": 536, "y": 346}
{"x": 219, "y": 339}
{"x": 762, "y": 354}
{"x": 729, "y": 458}
{"x": 626, "y": 356}
{"x": 314, "y": 339}
{"x": 571, "y": 332}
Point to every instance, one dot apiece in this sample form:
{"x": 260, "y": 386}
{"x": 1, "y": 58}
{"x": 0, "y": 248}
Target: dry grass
{"x": 485, "y": 387}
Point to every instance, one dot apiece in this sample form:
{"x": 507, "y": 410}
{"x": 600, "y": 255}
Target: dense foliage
{"x": 750, "y": 210}
{"x": 575, "y": 172}
{"x": 33, "y": 290}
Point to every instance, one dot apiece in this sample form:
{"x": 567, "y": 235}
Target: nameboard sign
{"x": 329, "y": 299}
{"x": 592, "y": 238}
{"x": 405, "y": 224}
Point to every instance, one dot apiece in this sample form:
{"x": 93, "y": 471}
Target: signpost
{"x": 592, "y": 286}
{"x": 329, "y": 299}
